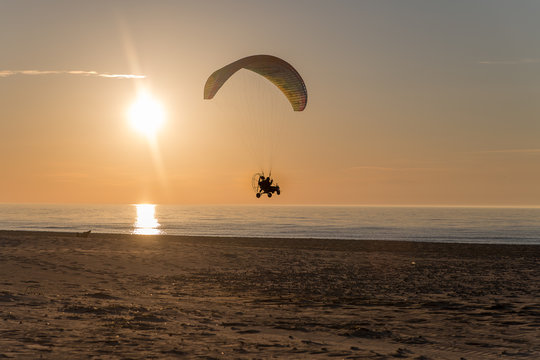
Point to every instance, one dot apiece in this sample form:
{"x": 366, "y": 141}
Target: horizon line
{"x": 484, "y": 206}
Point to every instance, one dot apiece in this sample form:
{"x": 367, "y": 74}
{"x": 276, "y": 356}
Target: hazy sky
{"x": 410, "y": 102}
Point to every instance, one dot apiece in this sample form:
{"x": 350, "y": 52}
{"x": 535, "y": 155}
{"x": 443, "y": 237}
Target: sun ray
{"x": 146, "y": 115}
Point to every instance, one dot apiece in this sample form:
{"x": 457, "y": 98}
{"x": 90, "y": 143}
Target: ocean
{"x": 434, "y": 224}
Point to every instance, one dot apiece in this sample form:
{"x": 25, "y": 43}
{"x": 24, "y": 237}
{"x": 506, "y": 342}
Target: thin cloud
{"x": 510, "y": 151}
{"x": 510, "y": 62}
{"x": 382, "y": 168}
{"x": 378, "y": 168}
{"x": 7, "y": 73}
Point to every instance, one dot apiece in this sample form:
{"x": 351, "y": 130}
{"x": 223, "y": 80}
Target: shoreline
{"x": 167, "y": 296}
{"x": 309, "y": 243}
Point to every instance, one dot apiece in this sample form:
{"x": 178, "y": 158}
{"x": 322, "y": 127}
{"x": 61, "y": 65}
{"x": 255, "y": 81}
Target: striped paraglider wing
{"x": 276, "y": 70}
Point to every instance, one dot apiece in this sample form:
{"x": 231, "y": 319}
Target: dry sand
{"x": 139, "y": 297}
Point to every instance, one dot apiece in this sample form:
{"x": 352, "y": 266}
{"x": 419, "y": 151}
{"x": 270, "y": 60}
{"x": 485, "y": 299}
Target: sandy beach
{"x": 139, "y": 297}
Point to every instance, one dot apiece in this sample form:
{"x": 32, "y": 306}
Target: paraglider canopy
{"x": 276, "y": 70}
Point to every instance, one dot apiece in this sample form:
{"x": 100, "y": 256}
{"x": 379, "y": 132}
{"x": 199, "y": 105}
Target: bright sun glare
{"x": 146, "y": 115}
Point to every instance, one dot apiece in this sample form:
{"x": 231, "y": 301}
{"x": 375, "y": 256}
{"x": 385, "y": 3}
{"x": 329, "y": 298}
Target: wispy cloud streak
{"x": 382, "y": 168}
{"x": 510, "y": 62}
{"x": 510, "y": 151}
{"x": 7, "y": 73}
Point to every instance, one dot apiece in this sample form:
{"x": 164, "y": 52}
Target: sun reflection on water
{"x": 146, "y": 223}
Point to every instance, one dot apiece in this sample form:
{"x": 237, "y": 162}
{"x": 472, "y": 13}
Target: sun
{"x": 146, "y": 115}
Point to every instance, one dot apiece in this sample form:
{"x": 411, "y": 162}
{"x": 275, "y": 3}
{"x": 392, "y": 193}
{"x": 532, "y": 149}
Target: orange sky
{"x": 409, "y": 102}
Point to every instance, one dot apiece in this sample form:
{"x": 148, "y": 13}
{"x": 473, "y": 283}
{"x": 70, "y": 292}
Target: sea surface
{"x": 434, "y": 224}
